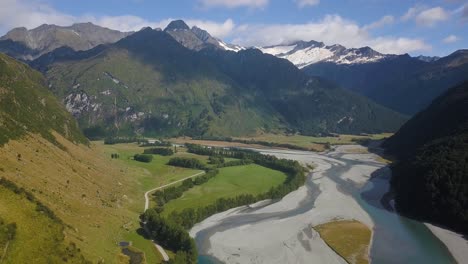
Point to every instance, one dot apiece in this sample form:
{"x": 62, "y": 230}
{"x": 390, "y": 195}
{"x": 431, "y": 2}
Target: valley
{"x": 261, "y": 131}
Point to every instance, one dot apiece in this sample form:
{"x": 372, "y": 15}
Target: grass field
{"x": 36, "y": 232}
{"x": 350, "y": 239}
{"x": 146, "y": 176}
{"x": 230, "y": 182}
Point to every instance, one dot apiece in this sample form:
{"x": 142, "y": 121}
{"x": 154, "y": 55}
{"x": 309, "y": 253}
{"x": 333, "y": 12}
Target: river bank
{"x": 347, "y": 184}
{"x": 456, "y": 243}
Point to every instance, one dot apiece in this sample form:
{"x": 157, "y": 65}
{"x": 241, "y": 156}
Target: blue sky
{"x": 436, "y": 27}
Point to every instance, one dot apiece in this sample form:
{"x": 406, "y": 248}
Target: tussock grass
{"x": 350, "y": 239}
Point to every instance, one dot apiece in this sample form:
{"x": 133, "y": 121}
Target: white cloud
{"x": 450, "y": 39}
{"x": 32, "y": 13}
{"x": 431, "y": 16}
{"x": 234, "y": 3}
{"x": 333, "y": 29}
{"x": 425, "y": 16}
{"x": 386, "y": 20}
{"x": 305, "y": 3}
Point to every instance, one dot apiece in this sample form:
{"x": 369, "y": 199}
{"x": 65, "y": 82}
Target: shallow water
{"x": 396, "y": 239}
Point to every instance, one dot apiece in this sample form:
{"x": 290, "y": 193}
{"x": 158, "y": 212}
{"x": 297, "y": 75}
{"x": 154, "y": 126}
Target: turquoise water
{"x": 397, "y": 239}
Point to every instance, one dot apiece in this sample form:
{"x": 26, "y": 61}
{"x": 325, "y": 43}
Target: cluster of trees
{"x": 188, "y": 217}
{"x": 115, "y": 156}
{"x": 233, "y": 163}
{"x": 434, "y": 183}
{"x": 171, "y": 236}
{"x": 143, "y": 158}
{"x": 120, "y": 140}
{"x": 159, "y": 151}
{"x": 159, "y": 143}
{"x": 164, "y": 196}
{"x": 191, "y": 163}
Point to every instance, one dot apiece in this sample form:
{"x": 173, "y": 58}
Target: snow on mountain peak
{"x": 303, "y": 53}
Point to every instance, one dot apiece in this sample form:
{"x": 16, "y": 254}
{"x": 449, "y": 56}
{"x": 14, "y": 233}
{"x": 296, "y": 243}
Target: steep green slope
{"x": 431, "y": 178}
{"x": 26, "y": 105}
{"x": 309, "y": 105}
{"x": 149, "y": 84}
{"x": 402, "y": 83}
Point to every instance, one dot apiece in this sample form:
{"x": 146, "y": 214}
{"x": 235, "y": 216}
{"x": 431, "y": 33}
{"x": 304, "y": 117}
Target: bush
{"x": 143, "y": 158}
{"x": 159, "y": 151}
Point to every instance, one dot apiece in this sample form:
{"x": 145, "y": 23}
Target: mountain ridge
{"x": 30, "y": 44}
{"x": 210, "y": 91}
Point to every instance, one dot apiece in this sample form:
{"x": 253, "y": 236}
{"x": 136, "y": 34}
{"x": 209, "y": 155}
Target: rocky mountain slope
{"x": 30, "y": 44}
{"x": 196, "y": 38}
{"x": 27, "y": 106}
{"x": 303, "y": 54}
{"x": 149, "y": 83}
{"x": 431, "y": 178}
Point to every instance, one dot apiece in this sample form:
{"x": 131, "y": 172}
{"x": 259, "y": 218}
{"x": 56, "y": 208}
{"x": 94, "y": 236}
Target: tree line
{"x": 171, "y": 236}
{"x": 121, "y": 140}
{"x": 159, "y": 151}
{"x": 164, "y": 196}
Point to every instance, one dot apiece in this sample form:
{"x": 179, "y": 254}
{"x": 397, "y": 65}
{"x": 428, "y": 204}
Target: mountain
{"x": 148, "y": 83}
{"x": 303, "y": 54}
{"x": 27, "y": 106}
{"x": 427, "y": 58}
{"x": 64, "y": 196}
{"x": 431, "y": 178}
{"x": 196, "y": 38}
{"x": 402, "y": 83}
{"x": 30, "y": 44}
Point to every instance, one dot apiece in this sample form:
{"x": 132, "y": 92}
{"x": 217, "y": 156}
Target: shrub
{"x": 159, "y": 151}
{"x": 143, "y": 158}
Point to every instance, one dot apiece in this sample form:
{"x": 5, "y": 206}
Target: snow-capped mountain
{"x": 196, "y": 38}
{"x": 303, "y": 53}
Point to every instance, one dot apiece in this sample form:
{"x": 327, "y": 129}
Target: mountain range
{"x": 400, "y": 82}
{"x": 152, "y": 82}
{"x": 29, "y": 44}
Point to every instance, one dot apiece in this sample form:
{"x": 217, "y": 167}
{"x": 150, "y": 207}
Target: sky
{"x": 431, "y": 27}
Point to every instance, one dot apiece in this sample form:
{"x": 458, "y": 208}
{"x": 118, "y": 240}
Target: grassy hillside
{"x": 431, "y": 179}
{"x": 27, "y": 106}
{"x": 95, "y": 203}
{"x": 149, "y": 84}
{"x": 38, "y": 238}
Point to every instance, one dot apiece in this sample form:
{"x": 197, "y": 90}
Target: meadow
{"x": 230, "y": 182}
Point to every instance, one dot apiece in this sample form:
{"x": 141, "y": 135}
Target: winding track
{"x": 158, "y": 247}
